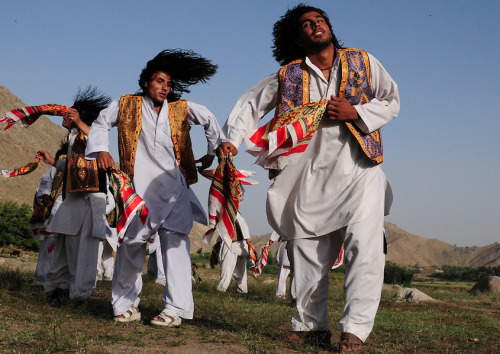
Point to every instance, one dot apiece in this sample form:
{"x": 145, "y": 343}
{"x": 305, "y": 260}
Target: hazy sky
{"x": 441, "y": 153}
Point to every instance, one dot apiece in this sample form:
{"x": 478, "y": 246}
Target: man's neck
{"x": 323, "y": 59}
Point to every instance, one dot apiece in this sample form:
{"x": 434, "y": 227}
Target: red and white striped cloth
{"x": 285, "y": 136}
{"x": 340, "y": 259}
{"x": 259, "y": 267}
{"x": 225, "y": 196}
{"x": 28, "y": 115}
{"x": 28, "y": 168}
{"x": 128, "y": 202}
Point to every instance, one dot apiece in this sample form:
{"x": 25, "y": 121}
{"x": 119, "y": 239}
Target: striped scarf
{"x": 28, "y": 115}
{"x": 259, "y": 267}
{"x": 288, "y": 134}
{"x": 340, "y": 259}
{"x": 128, "y": 203}
{"x": 28, "y": 168}
{"x": 224, "y": 198}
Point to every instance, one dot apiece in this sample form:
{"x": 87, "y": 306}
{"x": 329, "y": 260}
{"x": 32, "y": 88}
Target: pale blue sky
{"x": 440, "y": 153}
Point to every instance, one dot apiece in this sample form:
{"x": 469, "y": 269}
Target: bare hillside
{"x": 410, "y": 250}
{"x": 18, "y": 146}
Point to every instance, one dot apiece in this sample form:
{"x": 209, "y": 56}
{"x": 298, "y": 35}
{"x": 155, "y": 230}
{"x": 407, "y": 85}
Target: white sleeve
{"x": 249, "y": 109}
{"x": 274, "y": 236}
{"x": 385, "y": 104}
{"x": 200, "y": 115}
{"x": 45, "y": 186}
{"x": 98, "y": 139}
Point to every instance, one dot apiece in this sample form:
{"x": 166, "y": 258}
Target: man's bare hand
{"x": 227, "y": 146}
{"x": 340, "y": 109}
{"x": 206, "y": 161}
{"x": 105, "y": 161}
{"x": 45, "y": 157}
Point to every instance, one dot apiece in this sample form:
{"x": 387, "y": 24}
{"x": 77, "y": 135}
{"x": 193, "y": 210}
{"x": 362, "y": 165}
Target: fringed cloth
{"x": 340, "y": 259}
{"x": 28, "y": 115}
{"x": 30, "y": 167}
{"x": 224, "y": 197}
{"x": 259, "y": 267}
{"x": 128, "y": 203}
{"x": 252, "y": 255}
{"x": 284, "y": 137}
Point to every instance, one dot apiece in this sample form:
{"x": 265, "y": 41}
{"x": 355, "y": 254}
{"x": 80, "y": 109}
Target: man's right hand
{"x": 105, "y": 161}
{"x": 228, "y": 146}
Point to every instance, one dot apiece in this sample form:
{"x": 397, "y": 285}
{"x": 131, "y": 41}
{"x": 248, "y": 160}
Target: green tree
{"x": 14, "y": 221}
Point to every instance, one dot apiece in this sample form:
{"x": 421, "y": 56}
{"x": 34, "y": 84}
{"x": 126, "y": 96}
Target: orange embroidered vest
{"x": 129, "y": 128}
{"x": 354, "y": 86}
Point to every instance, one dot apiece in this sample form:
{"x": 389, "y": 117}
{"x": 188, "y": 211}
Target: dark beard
{"x": 316, "y": 47}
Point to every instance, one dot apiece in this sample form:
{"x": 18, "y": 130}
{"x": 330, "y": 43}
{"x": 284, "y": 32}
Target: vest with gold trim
{"x": 354, "y": 86}
{"x": 129, "y": 128}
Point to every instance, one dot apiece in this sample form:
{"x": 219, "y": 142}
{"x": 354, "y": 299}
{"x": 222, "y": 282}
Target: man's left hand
{"x": 206, "y": 161}
{"x": 339, "y": 108}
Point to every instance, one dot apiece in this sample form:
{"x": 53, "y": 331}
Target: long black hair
{"x": 286, "y": 32}
{"x": 185, "y": 68}
{"x": 89, "y": 102}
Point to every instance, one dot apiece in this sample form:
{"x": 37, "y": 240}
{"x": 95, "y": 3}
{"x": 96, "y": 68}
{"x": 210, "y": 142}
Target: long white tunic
{"x": 157, "y": 177}
{"x": 332, "y": 184}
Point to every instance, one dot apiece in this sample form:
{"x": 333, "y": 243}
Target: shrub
{"x": 14, "y": 230}
{"x": 394, "y": 274}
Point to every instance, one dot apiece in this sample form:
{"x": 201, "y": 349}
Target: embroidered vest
{"x": 129, "y": 128}
{"x": 82, "y": 174}
{"x": 354, "y": 86}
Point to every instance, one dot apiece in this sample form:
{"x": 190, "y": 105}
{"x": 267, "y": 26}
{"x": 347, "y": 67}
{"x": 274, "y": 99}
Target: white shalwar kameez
{"x": 159, "y": 181}
{"x": 48, "y": 241}
{"x": 233, "y": 260}
{"x": 79, "y": 224}
{"x": 332, "y": 194}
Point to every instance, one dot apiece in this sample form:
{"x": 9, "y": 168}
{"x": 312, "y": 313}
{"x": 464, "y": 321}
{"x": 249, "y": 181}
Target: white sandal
{"x": 168, "y": 319}
{"x": 131, "y": 315}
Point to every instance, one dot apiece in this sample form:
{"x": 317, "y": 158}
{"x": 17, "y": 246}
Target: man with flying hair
{"x": 334, "y": 191}
{"x": 80, "y": 220}
{"x": 155, "y": 151}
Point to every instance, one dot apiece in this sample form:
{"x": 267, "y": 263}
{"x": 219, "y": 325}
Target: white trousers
{"x": 127, "y": 279}
{"x": 105, "y": 261}
{"x": 44, "y": 259}
{"x": 74, "y": 265}
{"x": 281, "y": 285}
{"x": 233, "y": 260}
{"x": 364, "y": 274}
{"x": 155, "y": 262}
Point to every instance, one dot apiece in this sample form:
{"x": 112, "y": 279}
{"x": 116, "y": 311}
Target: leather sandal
{"x": 349, "y": 343}
{"x": 167, "y": 318}
{"x": 131, "y": 315}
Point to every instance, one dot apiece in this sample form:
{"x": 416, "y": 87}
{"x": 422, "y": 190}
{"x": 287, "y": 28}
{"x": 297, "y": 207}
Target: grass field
{"x": 238, "y": 323}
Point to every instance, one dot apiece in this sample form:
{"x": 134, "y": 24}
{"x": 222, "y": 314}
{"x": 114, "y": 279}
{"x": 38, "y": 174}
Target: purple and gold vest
{"x": 129, "y": 128}
{"x": 354, "y": 86}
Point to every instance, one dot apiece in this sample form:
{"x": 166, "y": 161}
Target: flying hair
{"x": 89, "y": 102}
{"x": 286, "y": 32}
{"x": 185, "y": 68}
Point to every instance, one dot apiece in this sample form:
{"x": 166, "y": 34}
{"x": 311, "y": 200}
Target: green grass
{"x": 234, "y": 323}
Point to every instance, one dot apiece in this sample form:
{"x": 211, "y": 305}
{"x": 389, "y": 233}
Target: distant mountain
{"x": 19, "y": 145}
{"x": 411, "y": 250}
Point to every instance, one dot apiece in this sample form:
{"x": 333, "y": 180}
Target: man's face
{"x": 67, "y": 123}
{"x": 314, "y": 32}
{"x": 158, "y": 87}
